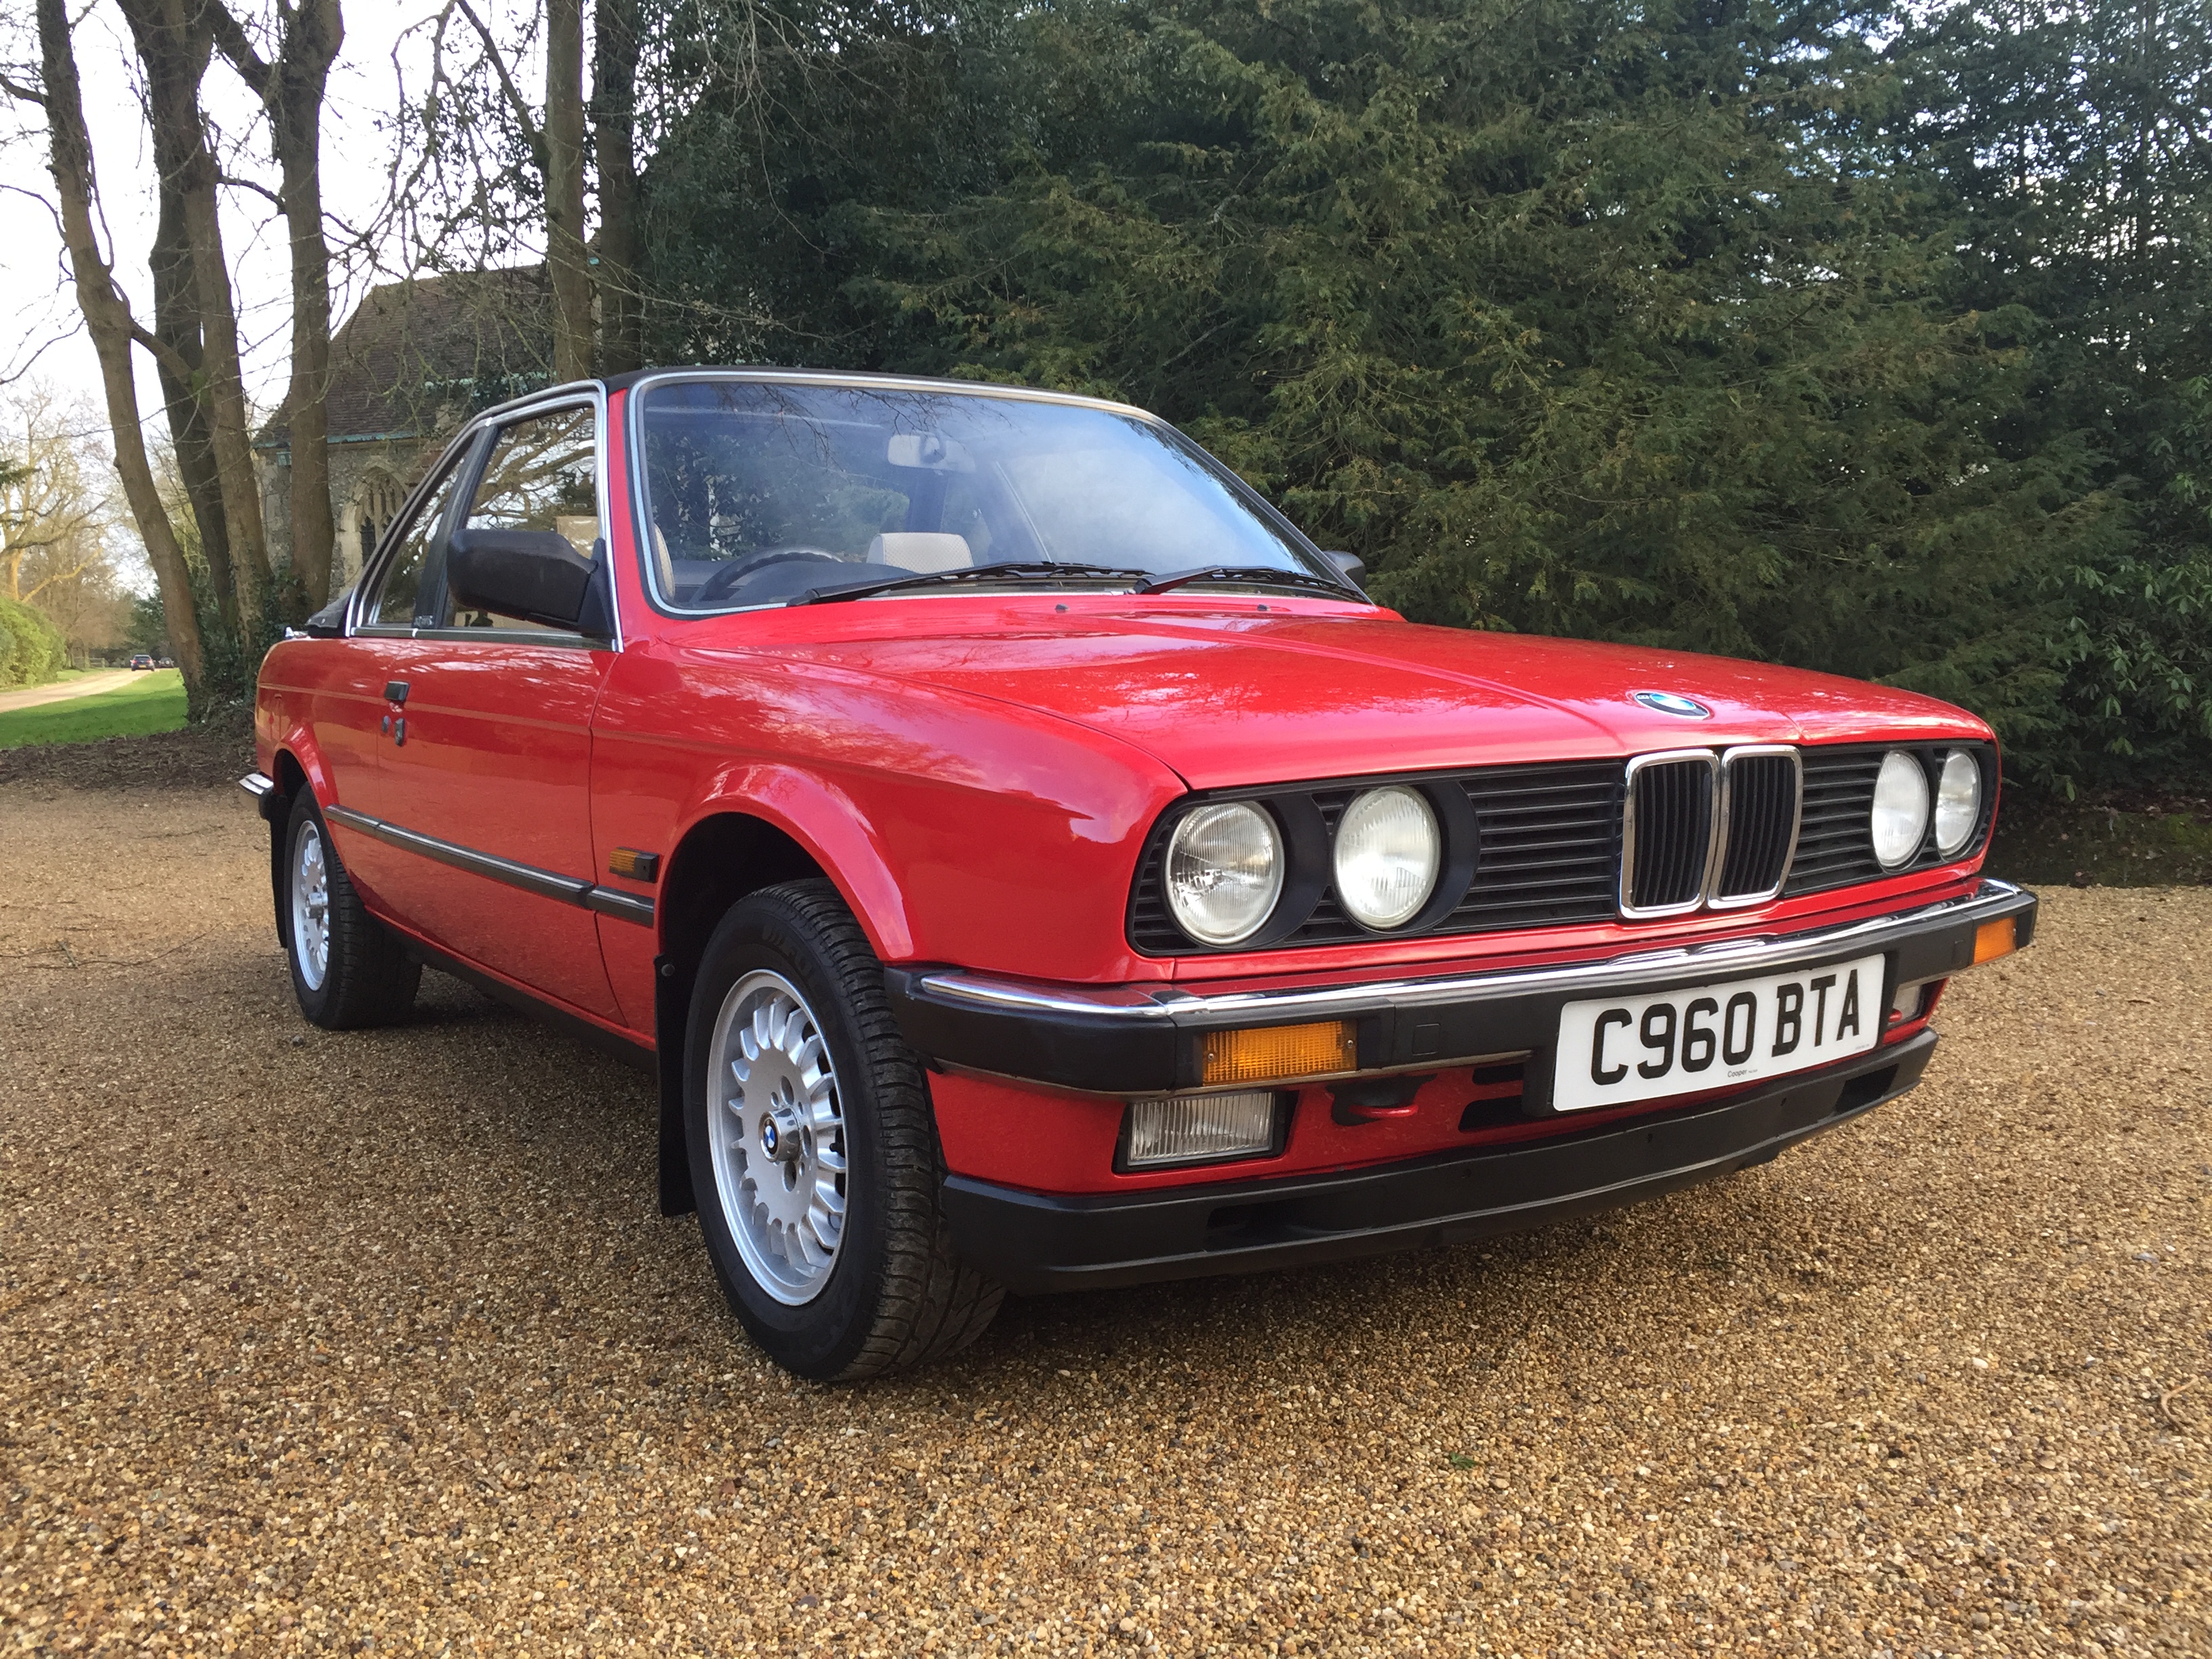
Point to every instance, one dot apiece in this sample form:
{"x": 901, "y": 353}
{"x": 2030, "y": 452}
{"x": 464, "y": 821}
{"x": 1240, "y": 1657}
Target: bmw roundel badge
{"x": 1673, "y": 702}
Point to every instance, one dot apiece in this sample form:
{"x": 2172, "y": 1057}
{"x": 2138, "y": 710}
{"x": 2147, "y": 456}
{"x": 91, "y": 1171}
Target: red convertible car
{"x": 1027, "y": 862}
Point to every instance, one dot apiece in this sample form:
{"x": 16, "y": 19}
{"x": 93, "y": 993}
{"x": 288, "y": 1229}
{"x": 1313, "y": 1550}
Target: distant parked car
{"x": 165, "y": 662}
{"x": 141, "y": 661}
{"x": 1029, "y": 863}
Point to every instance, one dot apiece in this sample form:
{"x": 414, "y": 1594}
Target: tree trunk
{"x": 172, "y": 47}
{"x": 177, "y": 326}
{"x": 614, "y": 113}
{"x": 107, "y": 319}
{"x": 564, "y": 190}
{"x": 291, "y": 90}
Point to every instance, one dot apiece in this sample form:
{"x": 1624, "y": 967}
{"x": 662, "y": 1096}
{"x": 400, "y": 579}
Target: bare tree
{"x": 178, "y": 367}
{"x": 174, "y": 48}
{"x": 52, "y": 516}
{"x": 614, "y": 142}
{"x": 58, "y": 548}
{"x": 565, "y": 256}
{"x": 108, "y": 319}
{"x": 291, "y": 86}
{"x": 557, "y": 145}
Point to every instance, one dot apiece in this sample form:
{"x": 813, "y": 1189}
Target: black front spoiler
{"x": 1036, "y": 1241}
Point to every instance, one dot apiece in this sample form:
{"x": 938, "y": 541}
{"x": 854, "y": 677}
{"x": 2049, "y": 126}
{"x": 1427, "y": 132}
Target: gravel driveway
{"x": 375, "y": 1342}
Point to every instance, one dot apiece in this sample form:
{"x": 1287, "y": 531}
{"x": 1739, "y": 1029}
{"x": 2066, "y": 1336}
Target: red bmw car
{"x": 1026, "y": 862}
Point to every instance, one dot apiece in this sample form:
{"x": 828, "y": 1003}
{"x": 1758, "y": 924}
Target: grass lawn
{"x": 151, "y": 702}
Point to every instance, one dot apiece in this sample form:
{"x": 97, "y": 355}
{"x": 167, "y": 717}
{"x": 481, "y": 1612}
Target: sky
{"x": 45, "y": 338}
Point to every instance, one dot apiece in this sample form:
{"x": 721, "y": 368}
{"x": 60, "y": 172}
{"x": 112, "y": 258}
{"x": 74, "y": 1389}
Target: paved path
{"x": 88, "y": 685}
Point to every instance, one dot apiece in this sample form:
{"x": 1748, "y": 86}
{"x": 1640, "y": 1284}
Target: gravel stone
{"x": 374, "y": 1342}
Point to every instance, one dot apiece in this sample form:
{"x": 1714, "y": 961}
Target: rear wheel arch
{"x": 290, "y": 777}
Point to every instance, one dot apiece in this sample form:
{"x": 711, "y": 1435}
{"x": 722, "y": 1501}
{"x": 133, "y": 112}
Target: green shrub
{"x": 31, "y": 649}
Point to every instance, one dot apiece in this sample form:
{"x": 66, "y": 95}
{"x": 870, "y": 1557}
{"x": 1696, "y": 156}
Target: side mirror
{"x": 532, "y": 574}
{"x": 1352, "y": 566}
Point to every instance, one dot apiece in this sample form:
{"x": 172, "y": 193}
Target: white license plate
{"x": 1618, "y": 1050}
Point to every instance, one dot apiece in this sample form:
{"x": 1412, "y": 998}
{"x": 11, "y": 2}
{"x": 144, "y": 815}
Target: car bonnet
{"x": 1230, "y": 697}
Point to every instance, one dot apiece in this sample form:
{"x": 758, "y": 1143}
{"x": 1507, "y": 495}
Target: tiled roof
{"x": 417, "y": 356}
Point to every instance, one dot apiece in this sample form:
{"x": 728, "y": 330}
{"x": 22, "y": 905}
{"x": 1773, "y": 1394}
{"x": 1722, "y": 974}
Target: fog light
{"x": 1279, "y": 1051}
{"x": 1200, "y": 1129}
{"x": 1995, "y": 938}
{"x": 1906, "y": 1003}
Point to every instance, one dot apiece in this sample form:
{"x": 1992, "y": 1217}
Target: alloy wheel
{"x": 311, "y": 907}
{"x": 776, "y": 1129}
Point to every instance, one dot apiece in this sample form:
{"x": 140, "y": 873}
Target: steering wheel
{"x": 719, "y": 585}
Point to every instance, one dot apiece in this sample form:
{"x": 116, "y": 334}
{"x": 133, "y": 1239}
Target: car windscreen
{"x": 757, "y": 493}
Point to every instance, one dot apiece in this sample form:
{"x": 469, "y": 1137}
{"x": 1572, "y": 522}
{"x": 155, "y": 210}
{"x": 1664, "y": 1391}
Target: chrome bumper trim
{"x": 257, "y": 785}
{"x": 1758, "y": 953}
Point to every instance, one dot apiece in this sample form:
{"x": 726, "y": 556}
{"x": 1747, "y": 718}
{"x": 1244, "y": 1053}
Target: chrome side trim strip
{"x": 565, "y": 890}
{"x": 257, "y": 784}
{"x": 1761, "y": 953}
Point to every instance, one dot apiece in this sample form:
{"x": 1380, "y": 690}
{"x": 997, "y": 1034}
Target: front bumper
{"x": 1146, "y": 1040}
{"x": 1036, "y": 1241}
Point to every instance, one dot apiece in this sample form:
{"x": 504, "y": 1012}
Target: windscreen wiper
{"x": 1027, "y": 569}
{"x": 1249, "y": 573}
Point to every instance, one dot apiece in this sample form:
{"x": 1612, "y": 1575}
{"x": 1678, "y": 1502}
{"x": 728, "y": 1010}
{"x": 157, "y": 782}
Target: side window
{"x": 400, "y": 590}
{"x": 542, "y": 474}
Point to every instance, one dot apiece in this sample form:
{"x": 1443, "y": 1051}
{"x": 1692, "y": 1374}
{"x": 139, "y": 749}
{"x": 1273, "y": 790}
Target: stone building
{"x": 414, "y": 359}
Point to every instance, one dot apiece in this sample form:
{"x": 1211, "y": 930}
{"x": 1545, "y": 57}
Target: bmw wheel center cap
{"x": 1674, "y": 703}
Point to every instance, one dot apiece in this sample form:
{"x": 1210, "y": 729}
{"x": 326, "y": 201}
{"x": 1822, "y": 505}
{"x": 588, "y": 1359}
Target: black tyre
{"x": 813, "y": 1152}
{"x": 348, "y": 969}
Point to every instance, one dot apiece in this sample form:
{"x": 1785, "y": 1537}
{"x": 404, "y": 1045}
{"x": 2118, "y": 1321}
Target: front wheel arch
{"x": 722, "y": 860}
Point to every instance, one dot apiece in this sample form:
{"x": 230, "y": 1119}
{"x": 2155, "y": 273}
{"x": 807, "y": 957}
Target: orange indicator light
{"x": 1279, "y": 1051}
{"x": 1993, "y": 940}
{"x": 638, "y": 866}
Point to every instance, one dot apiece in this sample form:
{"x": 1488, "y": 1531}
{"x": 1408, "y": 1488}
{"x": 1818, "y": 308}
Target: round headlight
{"x": 1387, "y": 851}
{"x": 1958, "y": 802}
{"x": 1225, "y": 871}
{"x": 1900, "y": 809}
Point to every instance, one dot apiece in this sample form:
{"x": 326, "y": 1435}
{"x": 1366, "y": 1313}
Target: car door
{"x": 488, "y": 768}
{"x": 350, "y": 710}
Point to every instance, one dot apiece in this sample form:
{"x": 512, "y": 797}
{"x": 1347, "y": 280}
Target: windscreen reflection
{"x": 759, "y": 494}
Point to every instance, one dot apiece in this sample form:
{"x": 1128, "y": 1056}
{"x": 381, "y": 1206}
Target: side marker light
{"x": 1993, "y": 940}
{"x": 638, "y": 866}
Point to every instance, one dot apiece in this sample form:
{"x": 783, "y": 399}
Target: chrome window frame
{"x": 571, "y": 394}
{"x": 641, "y": 523}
